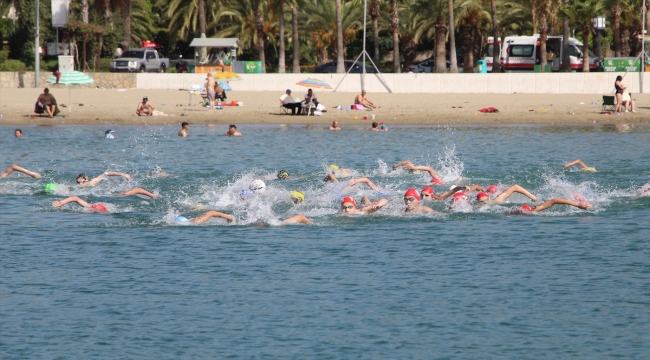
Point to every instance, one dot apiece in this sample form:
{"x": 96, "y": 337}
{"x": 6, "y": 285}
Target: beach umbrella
{"x": 225, "y": 85}
{"x": 71, "y": 78}
{"x": 314, "y": 83}
{"x": 226, "y": 76}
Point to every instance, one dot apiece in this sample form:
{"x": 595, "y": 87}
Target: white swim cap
{"x": 257, "y": 185}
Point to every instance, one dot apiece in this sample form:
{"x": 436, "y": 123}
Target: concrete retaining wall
{"x": 104, "y": 80}
{"x": 523, "y": 83}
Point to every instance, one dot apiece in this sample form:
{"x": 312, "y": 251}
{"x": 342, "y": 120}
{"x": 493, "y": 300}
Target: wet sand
{"x": 113, "y": 106}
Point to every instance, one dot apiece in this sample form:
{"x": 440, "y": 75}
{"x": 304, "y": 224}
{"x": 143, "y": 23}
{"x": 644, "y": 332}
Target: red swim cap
{"x": 526, "y": 208}
{"x": 492, "y": 189}
{"x": 412, "y": 192}
{"x": 459, "y": 196}
{"x": 350, "y": 200}
{"x": 428, "y": 189}
{"x": 482, "y": 195}
{"x": 437, "y": 181}
{"x": 98, "y": 208}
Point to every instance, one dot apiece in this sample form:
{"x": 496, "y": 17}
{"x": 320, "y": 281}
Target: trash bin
{"x": 482, "y": 67}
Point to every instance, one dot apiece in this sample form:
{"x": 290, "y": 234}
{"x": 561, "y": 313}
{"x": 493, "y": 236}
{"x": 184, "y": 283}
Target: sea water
{"x": 466, "y": 282}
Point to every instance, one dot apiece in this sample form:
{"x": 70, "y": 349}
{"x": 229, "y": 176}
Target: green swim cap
{"x": 50, "y": 188}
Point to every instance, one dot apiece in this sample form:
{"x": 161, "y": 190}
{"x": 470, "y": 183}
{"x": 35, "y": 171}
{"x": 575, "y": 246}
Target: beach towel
{"x": 489, "y": 110}
{"x": 357, "y": 107}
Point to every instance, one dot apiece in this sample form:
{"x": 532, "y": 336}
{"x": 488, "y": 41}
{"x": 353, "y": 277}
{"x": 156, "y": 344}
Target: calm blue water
{"x": 464, "y": 283}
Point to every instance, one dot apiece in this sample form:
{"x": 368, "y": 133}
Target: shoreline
{"x": 117, "y": 107}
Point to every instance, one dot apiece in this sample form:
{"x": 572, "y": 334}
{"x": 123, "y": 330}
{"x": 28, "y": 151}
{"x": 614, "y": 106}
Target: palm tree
{"x": 453, "y": 67}
{"x": 340, "y": 67}
{"x": 566, "y": 59}
{"x": 295, "y": 38}
{"x": 473, "y": 21}
{"x": 394, "y": 24}
{"x": 581, "y": 14}
{"x": 126, "y": 22}
{"x": 375, "y": 6}
{"x": 496, "y": 55}
{"x": 259, "y": 25}
{"x": 281, "y": 59}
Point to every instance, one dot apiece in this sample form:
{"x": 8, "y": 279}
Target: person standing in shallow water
{"x": 184, "y": 127}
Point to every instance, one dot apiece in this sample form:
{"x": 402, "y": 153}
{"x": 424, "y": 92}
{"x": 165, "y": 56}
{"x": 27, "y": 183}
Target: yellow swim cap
{"x": 334, "y": 167}
{"x": 589, "y": 169}
{"x": 297, "y": 196}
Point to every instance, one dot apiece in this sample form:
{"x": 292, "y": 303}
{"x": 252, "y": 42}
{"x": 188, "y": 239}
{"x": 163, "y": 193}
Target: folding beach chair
{"x": 609, "y": 103}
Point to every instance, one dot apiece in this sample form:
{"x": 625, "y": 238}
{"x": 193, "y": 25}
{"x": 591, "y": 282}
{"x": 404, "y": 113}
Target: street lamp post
{"x": 599, "y": 26}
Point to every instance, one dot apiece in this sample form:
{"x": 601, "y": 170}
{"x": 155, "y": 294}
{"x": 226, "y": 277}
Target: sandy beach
{"x": 115, "y": 106}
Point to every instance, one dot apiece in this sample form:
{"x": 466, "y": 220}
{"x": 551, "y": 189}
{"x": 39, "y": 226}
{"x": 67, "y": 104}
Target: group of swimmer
{"x": 414, "y": 200}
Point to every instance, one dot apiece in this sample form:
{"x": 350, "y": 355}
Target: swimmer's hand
{"x": 34, "y": 174}
{"x": 57, "y": 204}
{"x": 584, "y": 205}
{"x": 534, "y": 199}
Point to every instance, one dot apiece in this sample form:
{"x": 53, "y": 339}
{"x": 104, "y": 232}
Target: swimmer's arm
{"x": 402, "y": 163}
{"x": 451, "y": 192}
{"x": 210, "y": 214}
{"x": 14, "y": 167}
{"x": 353, "y": 182}
{"x": 375, "y": 206}
{"x": 428, "y": 169}
{"x": 115, "y": 173}
{"x": 473, "y": 188}
{"x": 298, "y": 219}
{"x": 76, "y": 199}
{"x": 560, "y": 201}
{"x": 425, "y": 209}
{"x": 575, "y": 162}
{"x": 138, "y": 191}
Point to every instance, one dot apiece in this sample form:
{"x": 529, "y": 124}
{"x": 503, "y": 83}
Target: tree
{"x": 496, "y": 54}
{"x": 259, "y": 25}
{"x": 542, "y": 23}
{"x": 340, "y": 65}
{"x": 453, "y": 67}
{"x": 281, "y": 60}
{"x": 394, "y": 24}
{"x": 566, "y": 59}
{"x": 580, "y": 15}
{"x": 375, "y": 6}
{"x": 295, "y": 39}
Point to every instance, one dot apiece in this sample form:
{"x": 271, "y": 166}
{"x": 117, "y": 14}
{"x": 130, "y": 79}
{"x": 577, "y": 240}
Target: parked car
{"x": 330, "y": 67}
{"x": 429, "y": 65}
{"x": 140, "y": 60}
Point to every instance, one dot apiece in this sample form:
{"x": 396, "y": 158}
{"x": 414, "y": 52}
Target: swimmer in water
{"x": 297, "y": 197}
{"x": 353, "y": 182}
{"x": 349, "y": 206}
{"x": 335, "y": 126}
{"x": 109, "y": 134}
{"x": 584, "y": 167}
{"x": 232, "y": 131}
{"x": 337, "y": 171}
{"x": 184, "y": 127}
{"x": 408, "y": 165}
{"x": 15, "y": 167}
{"x": 283, "y": 175}
{"x": 556, "y": 201}
{"x": 484, "y": 197}
{"x": 82, "y": 179}
{"x": 297, "y": 219}
{"x": 101, "y": 207}
{"x": 412, "y": 201}
{"x": 427, "y": 192}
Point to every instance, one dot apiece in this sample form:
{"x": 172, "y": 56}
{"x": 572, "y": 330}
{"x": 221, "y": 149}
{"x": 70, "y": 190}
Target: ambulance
{"x": 489, "y": 52}
{"x": 522, "y": 53}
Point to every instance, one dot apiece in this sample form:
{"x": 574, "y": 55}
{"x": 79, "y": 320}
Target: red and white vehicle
{"x": 489, "y": 52}
{"x": 522, "y": 53}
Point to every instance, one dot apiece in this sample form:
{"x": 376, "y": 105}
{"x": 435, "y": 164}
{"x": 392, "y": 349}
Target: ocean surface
{"x": 462, "y": 283}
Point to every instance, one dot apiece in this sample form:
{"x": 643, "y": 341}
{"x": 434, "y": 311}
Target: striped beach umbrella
{"x": 226, "y": 76}
{"x": 314, "y": 83}
{"x": 71, "y": 78}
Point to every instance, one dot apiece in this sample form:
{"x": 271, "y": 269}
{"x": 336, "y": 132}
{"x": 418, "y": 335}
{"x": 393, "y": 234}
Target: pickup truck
{"x": 140, "y": 60}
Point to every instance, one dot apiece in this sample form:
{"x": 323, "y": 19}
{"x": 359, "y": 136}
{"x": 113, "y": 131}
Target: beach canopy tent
{"x": 214, "y": 54}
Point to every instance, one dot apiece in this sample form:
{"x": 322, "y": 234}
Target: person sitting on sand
{"x": 101, "y": 207}
{"x": 525, "y": 208}
{"x": 145, "y": 108}
{"x": 46, "y": 103}
{"x": 406, "y": 164}
{"x": 232, "y": 131}
{"x": 335, "y": 126}
{"x": 15, "y": 167}
{"x": 628, "y": 102}
{"x": 288, "y": 102}
{"x": 184, "y": 127}
{"x": 584, "y": 167}
{"x": 361, "y": 99}
{"x": 82, "y": 179}
{"x": 412, "y": 201}
{"x": 349, "y": 206}
{"x": 297, "y": 219}
{"x": 219, "y": 92}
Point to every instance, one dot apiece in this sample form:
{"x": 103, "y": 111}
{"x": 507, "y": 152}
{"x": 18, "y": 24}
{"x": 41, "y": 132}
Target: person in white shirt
{"x": 289, "y": 102}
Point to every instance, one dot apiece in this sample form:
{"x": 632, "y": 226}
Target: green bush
{"x": 4, "y": 55}
{"x": 12, "y": 65}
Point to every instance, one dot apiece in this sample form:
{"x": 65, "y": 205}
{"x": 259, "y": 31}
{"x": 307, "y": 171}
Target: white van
{"x": 521, "y": 53}
{"x": 489, "y": 52}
